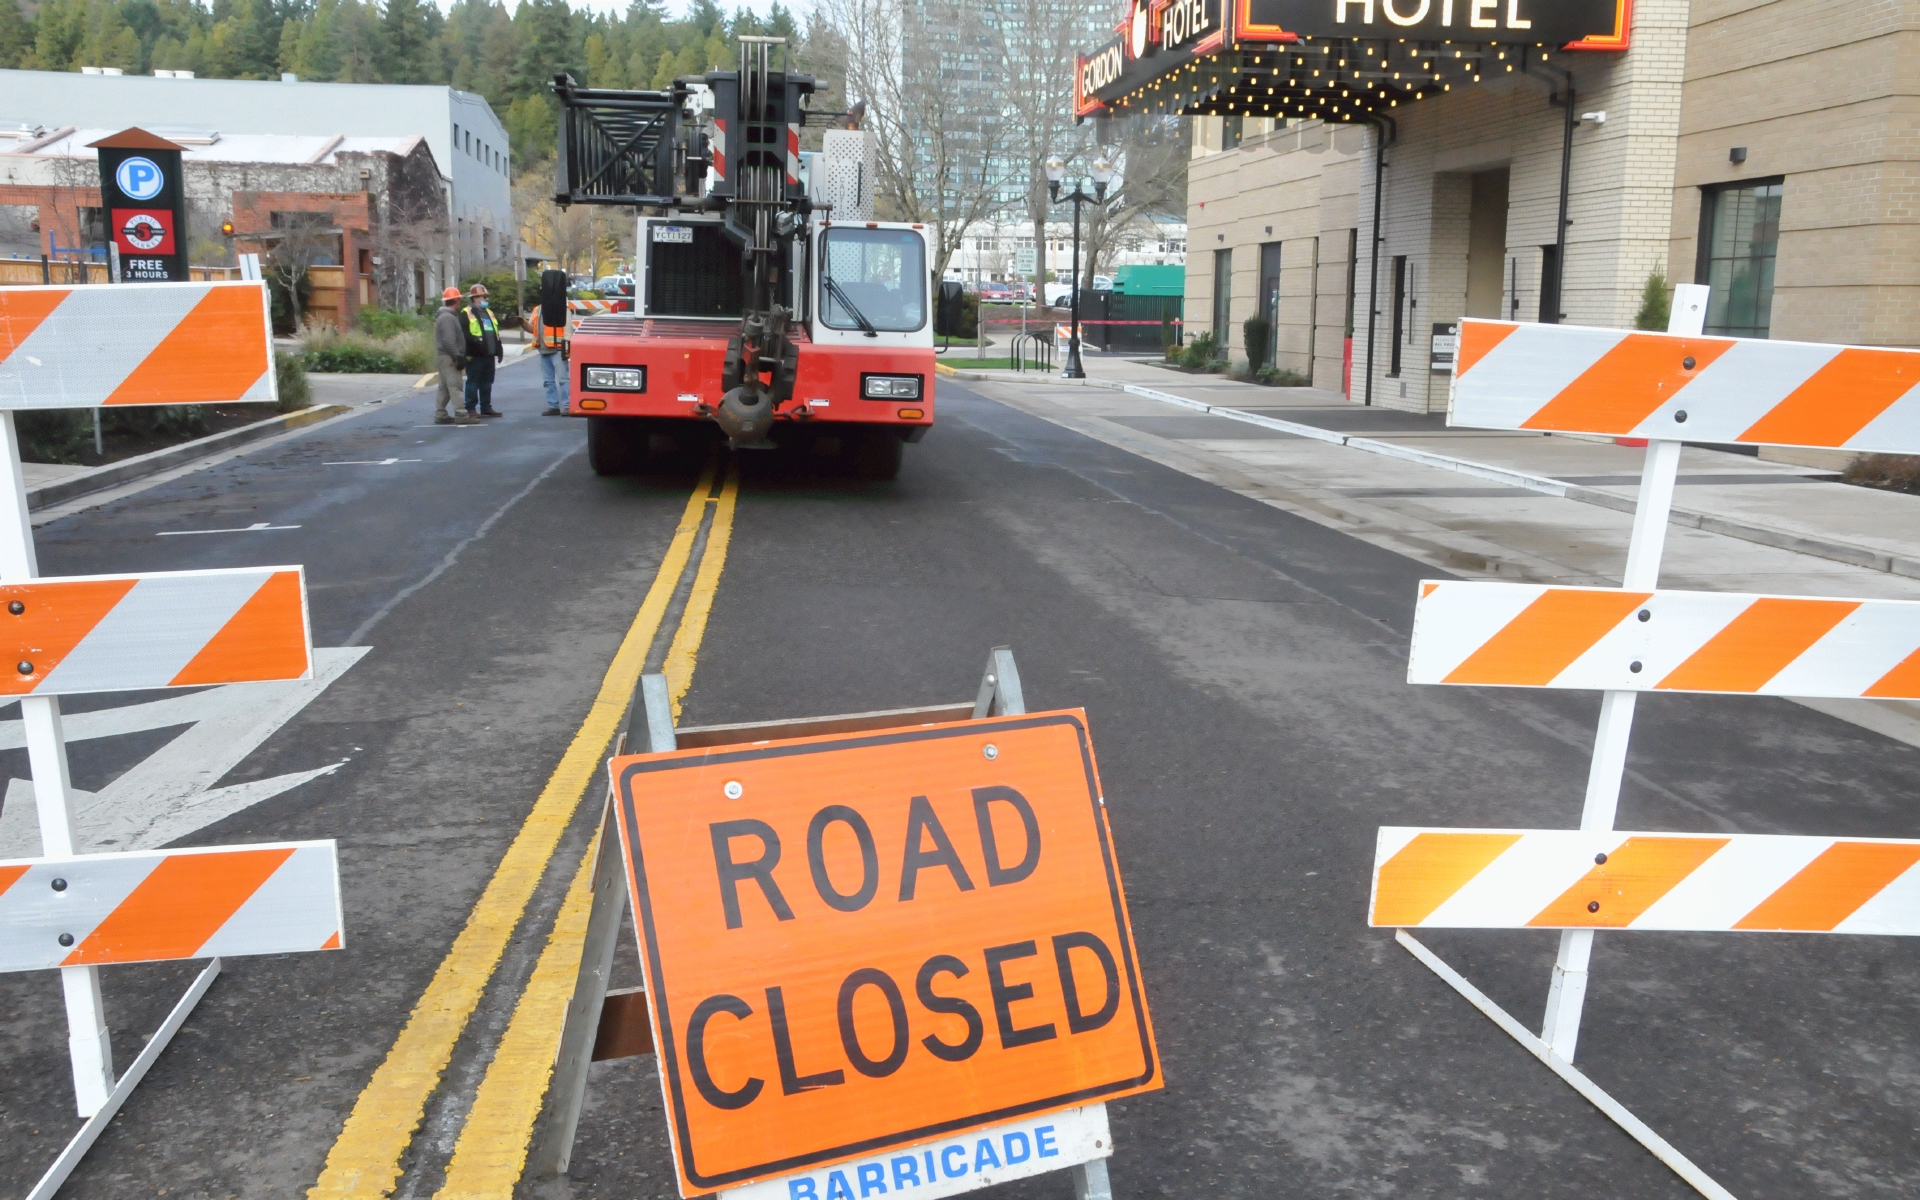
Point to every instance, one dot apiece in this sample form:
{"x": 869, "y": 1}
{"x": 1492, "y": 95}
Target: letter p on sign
{"x": 867, "y": 941}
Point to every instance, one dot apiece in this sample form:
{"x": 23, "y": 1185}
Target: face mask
{"x": 480, "y": 304}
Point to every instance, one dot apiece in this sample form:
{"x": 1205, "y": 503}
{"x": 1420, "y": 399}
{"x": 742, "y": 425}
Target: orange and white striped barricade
{"x": 1525, "y": 635}
{"x": 1675, "y": 882}
{"x": 1638, "y": 638}
{"x": 138, "y": 344}
{"x": 164, "y": 905}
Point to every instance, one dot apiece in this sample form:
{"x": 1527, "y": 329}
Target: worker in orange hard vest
{"x": 551, "y": 343}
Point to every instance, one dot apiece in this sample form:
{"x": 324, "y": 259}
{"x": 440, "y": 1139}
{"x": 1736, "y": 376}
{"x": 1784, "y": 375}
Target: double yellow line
{"x": 492, "y": 1148}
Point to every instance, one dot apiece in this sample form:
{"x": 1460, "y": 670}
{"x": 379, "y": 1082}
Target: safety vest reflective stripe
{"x": 1526, "y": 635}
{"x": 1570, "y": 379}
{"x": 1578, "y": 879}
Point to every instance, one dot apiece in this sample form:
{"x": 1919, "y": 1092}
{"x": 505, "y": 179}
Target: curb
{"x": 172, "y": 456}
{"x": 1814, "y": 546}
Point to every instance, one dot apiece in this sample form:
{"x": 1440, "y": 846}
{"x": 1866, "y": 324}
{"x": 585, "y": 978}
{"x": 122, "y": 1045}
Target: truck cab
{"x": 858, "y": 298}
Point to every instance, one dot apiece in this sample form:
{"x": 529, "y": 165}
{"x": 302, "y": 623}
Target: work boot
{"x": 442, "y": 419}
{"x": 554, "y": 412}
{"x": 466, "y": 418}
{"x": 488, "y": 412}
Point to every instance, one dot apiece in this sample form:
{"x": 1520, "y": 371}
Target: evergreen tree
{"x": 404, "y": 38}
{"x": 16, "y": 35}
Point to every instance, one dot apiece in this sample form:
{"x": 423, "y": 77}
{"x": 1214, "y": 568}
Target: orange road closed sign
{"x": 866, "y": 941}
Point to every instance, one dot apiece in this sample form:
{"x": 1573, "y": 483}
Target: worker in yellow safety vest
{"x": 551, "y": 343}
{"x": 483, "y": 351}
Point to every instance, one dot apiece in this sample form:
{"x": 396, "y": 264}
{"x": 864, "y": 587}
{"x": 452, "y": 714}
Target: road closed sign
{"x": 870, "y": 942}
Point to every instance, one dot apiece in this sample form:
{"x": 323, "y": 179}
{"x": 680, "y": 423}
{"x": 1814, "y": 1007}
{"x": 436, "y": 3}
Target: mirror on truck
{"x": 553, "y": 298}
{"x": 948, "y": 312}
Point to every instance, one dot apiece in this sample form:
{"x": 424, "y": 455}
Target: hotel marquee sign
{"x": 1161, "y": 36}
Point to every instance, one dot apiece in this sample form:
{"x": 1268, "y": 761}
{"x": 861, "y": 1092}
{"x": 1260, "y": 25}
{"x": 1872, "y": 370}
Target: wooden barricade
{"x": 603, "y": 1024}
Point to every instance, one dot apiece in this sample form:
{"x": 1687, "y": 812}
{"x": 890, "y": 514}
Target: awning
{"x": 1338, "y": 60}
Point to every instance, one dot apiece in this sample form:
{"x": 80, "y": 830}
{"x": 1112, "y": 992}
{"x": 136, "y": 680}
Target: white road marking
{"x": 256, "y": 527}
{"x": 370, "y": 462}
{"x": 171, "y": 794}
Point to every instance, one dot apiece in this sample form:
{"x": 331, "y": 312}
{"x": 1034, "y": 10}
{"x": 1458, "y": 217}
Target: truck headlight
{"x": 890, "y": 387}
{"x": 616, "y": 379}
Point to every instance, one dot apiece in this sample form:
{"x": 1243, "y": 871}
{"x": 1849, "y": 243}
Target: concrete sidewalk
{"x": 1730, "y": 492}
{"x": 1473, "y": 504}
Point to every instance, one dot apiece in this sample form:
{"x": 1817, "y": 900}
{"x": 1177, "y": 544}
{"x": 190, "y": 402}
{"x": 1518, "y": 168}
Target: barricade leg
{"x": 1567, "y": 993}
{"x": 651, "y": 719}
{"x": 1090, "y": 1181}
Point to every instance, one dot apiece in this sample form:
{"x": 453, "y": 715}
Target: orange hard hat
{"x": 452, "y": 293}
{"x": 478, "y": 289}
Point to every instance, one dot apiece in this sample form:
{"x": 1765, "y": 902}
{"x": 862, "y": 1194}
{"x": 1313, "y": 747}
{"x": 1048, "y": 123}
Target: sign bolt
{"x": 1593, "y": 906}
{"x": 733, "y": 789}
{"x": 991, "y": 750}
{"x": 66, "y": 939}
{"x": 59, "y": 885}
{"x": 15, "y": 607}
{"x": 1634, "y": 667}
{"x": 1645, "y": 615}
{"x": 1680, "y": 418}
{"x": 25, "y": 667}
{"x": 1687, "y": 362}
{"x": 1600, "y": 860}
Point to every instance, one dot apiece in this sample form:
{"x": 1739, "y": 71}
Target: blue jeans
{"x": 480, "y": 384}
{"x": 553, "y": 372}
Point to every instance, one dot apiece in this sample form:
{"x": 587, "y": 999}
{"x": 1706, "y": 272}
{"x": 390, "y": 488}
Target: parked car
{"x": 997, "y": 290}
{"x": 617, "y": 288}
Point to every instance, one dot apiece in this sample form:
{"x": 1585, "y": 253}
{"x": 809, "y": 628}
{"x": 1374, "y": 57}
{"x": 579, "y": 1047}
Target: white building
{"x": 990, "y": 250}
{"x": 468, "y": 142}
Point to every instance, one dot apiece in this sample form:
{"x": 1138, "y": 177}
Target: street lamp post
{"x": 1102, "y": 176}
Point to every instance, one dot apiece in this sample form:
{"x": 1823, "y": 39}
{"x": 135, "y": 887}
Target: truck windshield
{"x": 878, "y": 274}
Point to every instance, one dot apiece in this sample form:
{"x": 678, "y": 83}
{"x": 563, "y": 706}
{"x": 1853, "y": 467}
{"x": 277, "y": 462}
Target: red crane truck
{"x": 769, "y": 308}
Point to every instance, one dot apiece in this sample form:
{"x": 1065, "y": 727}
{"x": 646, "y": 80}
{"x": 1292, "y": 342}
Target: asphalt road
{"x": 1244, "y": 675}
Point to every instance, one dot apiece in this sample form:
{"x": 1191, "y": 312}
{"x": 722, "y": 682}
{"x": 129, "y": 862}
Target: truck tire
{"x": 877, "y": 456}
{"x": 611, "y": 446}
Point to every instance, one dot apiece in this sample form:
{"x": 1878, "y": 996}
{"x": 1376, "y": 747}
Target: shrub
{"x": 325, "y": 349}
{"x": 1896, "y": 472}
{"x": 54, "y": 435}
{"x": 1256, "y": 330}
{"x": 1202, "y": 354}
{"x": 1281, "y": 377}
{"x": 1655, "y": 303}
{"x": 290, "y": 374}
{"x": 386, "y": 322}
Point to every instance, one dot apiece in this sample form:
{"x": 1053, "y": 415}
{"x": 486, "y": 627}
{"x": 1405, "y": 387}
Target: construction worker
{"x": 450, "y": 356}
{"x": 483, "y": 351}
{"x": 551, "y": 342}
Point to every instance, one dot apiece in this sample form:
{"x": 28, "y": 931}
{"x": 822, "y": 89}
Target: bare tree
{"x": 1149, "y": 154}
{"x": 928, "y": 71}
{"x": 294, "y": 250}
{"x": 1044, "y": 37}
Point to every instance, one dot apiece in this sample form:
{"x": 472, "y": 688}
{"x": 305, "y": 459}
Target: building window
{"x": 1399, "y": 309}
{"x": 1270, "y": 254}
{"x": 1230, "y": 132}
{"x": 1739, "y": 238}
{"x": 1550, "y": 313}
{"x": 1222, "y": 298}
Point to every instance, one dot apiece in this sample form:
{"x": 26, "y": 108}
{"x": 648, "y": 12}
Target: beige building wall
{"x": 1297, "y": 186}
{"x": 1826, "y": 95}
{"x": 1621, "y": 224}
